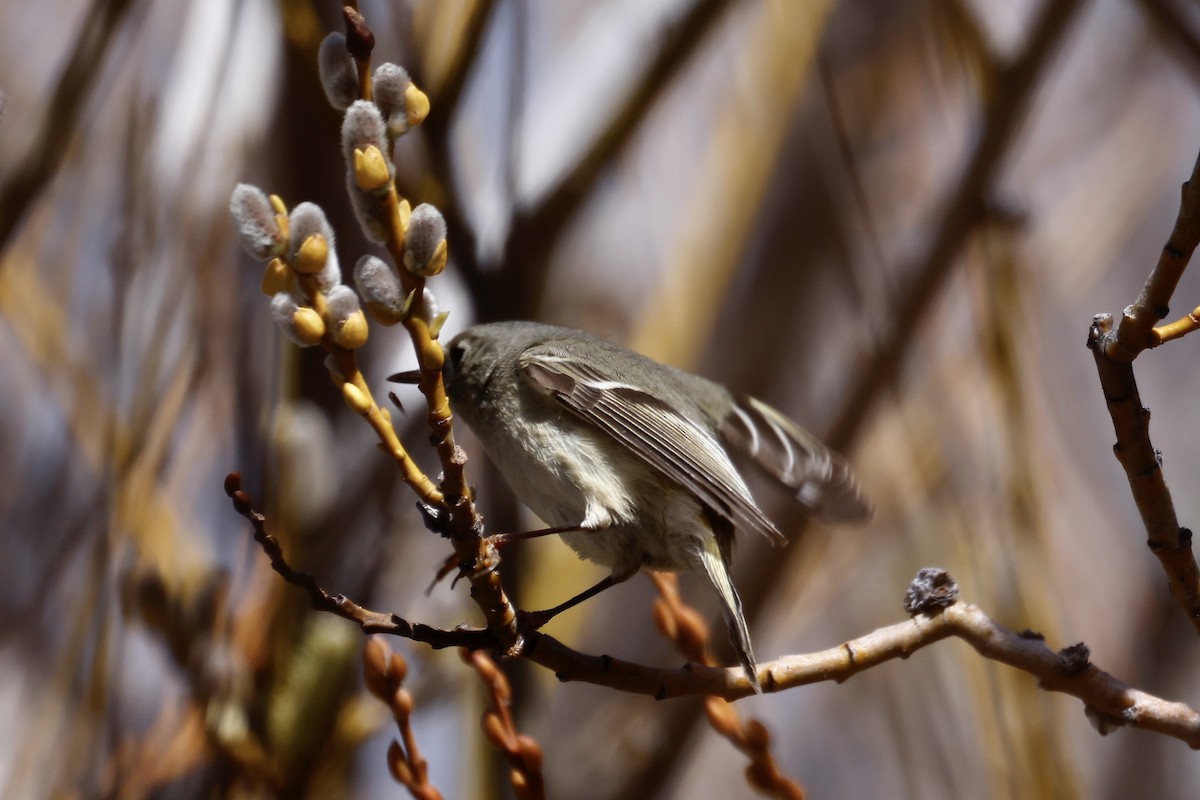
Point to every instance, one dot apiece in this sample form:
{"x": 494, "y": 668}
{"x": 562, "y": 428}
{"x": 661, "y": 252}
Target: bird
{"x": 631, "y": 461}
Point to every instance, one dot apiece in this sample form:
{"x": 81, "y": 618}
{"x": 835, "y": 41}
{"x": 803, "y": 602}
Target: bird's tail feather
{"x": 716, "y": 565}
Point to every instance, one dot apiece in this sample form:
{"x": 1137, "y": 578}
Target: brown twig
{"x": 522, "y": 751}
{"x": 1132, "y": 335}
{"x": 684, "y": 626}
{"x": 1115, "y": 347}
{"x": 384, "y": 672}
{"x": 369, "y": 621}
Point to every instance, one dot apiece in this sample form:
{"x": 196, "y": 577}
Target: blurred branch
{"x": 523, "y": 753}
{"x": 384, "y": 672}
{"x": 1172, "y": 25}
{"x": 1114, "y": 348}
{"x": 517, "y": 290}
{"x": 82, "y": 70}
{"x": 1109, "y": 701}
{"x": 965, "y": 206}
{"x": 451, "y": 76}
{"x": 684, "y": 626}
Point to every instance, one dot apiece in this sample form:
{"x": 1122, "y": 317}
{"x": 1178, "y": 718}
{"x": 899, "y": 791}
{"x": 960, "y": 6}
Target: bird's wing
{"x": 679, "y": 449}
{"x": 822, "y": 480}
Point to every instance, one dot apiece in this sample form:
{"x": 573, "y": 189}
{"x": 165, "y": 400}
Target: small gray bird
{"x": 629, "y": 459}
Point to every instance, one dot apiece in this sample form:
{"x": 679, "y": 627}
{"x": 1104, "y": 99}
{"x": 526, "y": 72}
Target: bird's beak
{"x": 411, "y": 377}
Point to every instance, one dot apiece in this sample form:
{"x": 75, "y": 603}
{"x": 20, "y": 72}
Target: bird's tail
{"x": 715, "y": 559}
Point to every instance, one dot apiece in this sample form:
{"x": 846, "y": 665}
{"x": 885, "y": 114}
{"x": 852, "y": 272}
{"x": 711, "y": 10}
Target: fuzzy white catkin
{"x": 426, "y": 230}
{"x": 342, "y": 302}
{"x": 305, "y": 220}
{"x": 362, "y": 126}
{"x": 339, "y": 76}
{"x": 283, "y": 306}
{"x": 390, "y": 82}
{"x": 377, "y": 283}
{"x": 369, "y": 210}
{"x": 255, "y": 219}
{"x": 331, "y": 275}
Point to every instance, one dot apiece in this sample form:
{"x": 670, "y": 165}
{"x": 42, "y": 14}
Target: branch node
{"x": 931, "y": 590}
{"x": 1104, "y": 723}
{"x": 1074, "y": 659}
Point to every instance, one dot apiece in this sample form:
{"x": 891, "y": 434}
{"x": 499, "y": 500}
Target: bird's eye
{"x": 456, "y": 355}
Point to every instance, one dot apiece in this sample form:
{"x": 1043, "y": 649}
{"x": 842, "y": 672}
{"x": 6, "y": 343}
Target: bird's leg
{"x": 501, "y": 539}
{"x": 620, "y": 574}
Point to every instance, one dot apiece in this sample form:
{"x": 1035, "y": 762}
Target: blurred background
{"x": 892, "y": 219}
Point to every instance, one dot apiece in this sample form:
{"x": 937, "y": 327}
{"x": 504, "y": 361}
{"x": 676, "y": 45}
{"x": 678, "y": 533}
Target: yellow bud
{"x": 405, "y": 213}
{"x": 435, "y": 327}
{"x": 416, "y": 103}
{"x": 308, "y": 325}
{"x": 438, "y": 262}
{"x": 277, "y": 278}
{"x": 352, "y": 332}
{"x": 356, "y": 398}
{"x": 383, "y": 315}
{"x": 371, "y": 171}
{"x": 310, "y": 258}
{"x": 531, "y": 752}
{"x": 281, "y": 213}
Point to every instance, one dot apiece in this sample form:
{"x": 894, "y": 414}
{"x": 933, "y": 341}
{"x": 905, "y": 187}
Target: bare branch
{"x": 342, "y": 606}
{"x": 1133, "y": 334}
{"x": 1114, "y": 348}
{"x": 1109, "y": 701}
{"x": 1067, "y": 671}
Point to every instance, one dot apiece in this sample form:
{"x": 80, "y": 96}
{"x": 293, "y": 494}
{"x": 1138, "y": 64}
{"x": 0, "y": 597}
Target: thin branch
{"x": 384, "y": 672}
{"x": 521, "y": 751}
{"x": 84, "y": 67}
{"x": 1115, "y": 347}
{"x": 686, "y": 628}
{"x": 1109, "y": 701}
{"x": 1133, "y": 334}
{"x": 515, "y": 291}
{"x": 1174, "y": 27}
{"x": 964, "y": 208}
{"x": 370, "y": 621}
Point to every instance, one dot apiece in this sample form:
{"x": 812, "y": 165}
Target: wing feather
{"x": 821, "y": 479}
{"x": 660, "y": 436}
